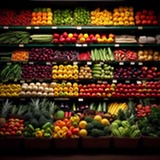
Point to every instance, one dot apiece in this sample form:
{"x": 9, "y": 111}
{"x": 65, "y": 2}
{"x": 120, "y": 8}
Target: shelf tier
{"x": 110, "y": 28}
{"x": 78, "y": 45}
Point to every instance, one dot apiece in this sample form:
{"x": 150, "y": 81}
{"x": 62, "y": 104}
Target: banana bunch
{"x": 113, "y": 108}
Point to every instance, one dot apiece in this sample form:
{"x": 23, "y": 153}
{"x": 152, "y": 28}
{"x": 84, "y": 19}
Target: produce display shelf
{"x": 79, "y": 45}
{"x": 65, "y": 27}
{"x": 121, "y": 63}
{"x": 79, "y": 99}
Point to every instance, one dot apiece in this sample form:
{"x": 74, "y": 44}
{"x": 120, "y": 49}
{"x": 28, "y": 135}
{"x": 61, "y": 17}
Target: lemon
{"x": 105, "y": 122}
{"x": 98, "y": 118}
{"x": 82, "y": 124}
{"x": 83, "y": 133}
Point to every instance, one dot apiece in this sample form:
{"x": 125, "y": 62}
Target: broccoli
{"x": 88, "y": 119}
{"x": 96, "y": 124}
{"x": 89, "y": 127}
{"x": 34, "y": 122}
{"x": 96, "y": 132}
{"x": 107, "y": 130}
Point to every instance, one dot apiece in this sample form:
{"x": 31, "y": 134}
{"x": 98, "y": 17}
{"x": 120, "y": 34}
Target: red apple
{"x": 138, "y": 22}
{"x": 143, "y": 17}
{"x": 137, "y": 17}
{"x": 155, "y": 22}
{"x": 75, "y": 35}
{"x": 145, "y": 12}
{"x": 62, "y": 40}
{"x": 144, "y": 22}
{"x": 88, "y": 40}
{"x": 91, "y": 36}
{"x": 94, "y": 40}
{"x": 65, "y": 34}
{"x": 139, "y": 13}
{"x": 151, "y": 12}
{"x": 56, "y": 35}
{"x": 73, "y": 40}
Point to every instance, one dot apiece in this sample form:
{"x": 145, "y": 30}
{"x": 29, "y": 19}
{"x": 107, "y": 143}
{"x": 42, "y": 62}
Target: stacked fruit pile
{"x": 42, "y": 16}
{"x": 65, "y": 72}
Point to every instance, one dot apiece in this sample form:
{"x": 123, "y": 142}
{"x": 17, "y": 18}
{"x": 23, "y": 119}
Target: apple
{"x": 13, "y": 132}
{"x": 88, "y": 40}
{"x": 145, "y": 12}
{"x": 155, "y": 22}
{"x": 149, "y": 22}
{"x": 151, "y": 12}
{"x": 73, "y": 40}
{"x": 75, "y": 35}
{"x": 93, "y": 94}
{"x": 56, "y": 35}
{"x": 69, "y": 134}
{"x": 62, "y": 40}
{"x": 94, "y": 40}
{"x": 65, "y": 34}
{"x": 68, "y": 40}
{"x": 144, "y": 22}
{"x": 91, "y": 36}
{"x": 139, "y": 13}
{"x": 143, "y": 17}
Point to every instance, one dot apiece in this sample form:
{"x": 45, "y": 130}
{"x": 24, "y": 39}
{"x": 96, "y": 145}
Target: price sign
{"x": 54, "y": 27}
{"x": 79, "y": 27}
{"x": 89, "y": 63}
{"x": 21, "y": 45}
{"x": 28, "y": 27}
{"x": 132, "y": 63}
{"x": 121, "y": 63}
{"x": 114, "y": 81}
{"x": 6, "y": 27}
{"x": 80, "y": 99}
{"x": 36, "y": 27}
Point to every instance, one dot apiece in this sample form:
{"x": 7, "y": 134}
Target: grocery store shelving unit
{"x": 79, "y": 28}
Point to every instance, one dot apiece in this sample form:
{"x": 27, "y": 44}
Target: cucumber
{"x": 96, "y": 75}
{"x": 96, "y": 72}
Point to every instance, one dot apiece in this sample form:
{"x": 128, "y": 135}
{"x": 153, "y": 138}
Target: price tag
{"x": 89, "y": 63}
{"x": 54, "y": 27}
{"x": 105, "y": 82}
{"x": 127, "y": 81}
{"x": 116, "y": 45}
{"x": 140, "y": 63}
{"x": 141, "y": 45}
{"x": 75, "y": 63}
{"x": 114, "y": 81}
{"x": 60, "y": 45}
{"x": 79, "y": 27}
{"x": 121, "y": 63}
{"x": 48, "y": 63}
{"x": 85, "y": 45}
{"x": 78, "y": 45}
{"x": 6, "y": 27}
{"x": 132, "y": 63}
{"x": 99, "y": 81}
{"x": 22, "y": 99}
{"x": 105, "y": 99}
{"x": 140, "y": 27}
{"x": 28, "y": 27}
{"x": 80, "y": 99}
{"x": 54, "y": 62}
{"x": 31, "y": 63}
{"x": 22, "y": 81}
{"x": 139, "y": 82}
{"x": 9, "y": 63}
{"x": 36, "y": 27}
{"x": 21, "y": 45}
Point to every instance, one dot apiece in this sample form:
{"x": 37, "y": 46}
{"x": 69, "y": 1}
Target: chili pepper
{"x": 48, "y": 130}
{"x": 47, "y": 134}
{"x": 30, "y": 127}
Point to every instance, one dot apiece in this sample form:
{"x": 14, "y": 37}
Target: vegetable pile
{"x": 20, "y": 55}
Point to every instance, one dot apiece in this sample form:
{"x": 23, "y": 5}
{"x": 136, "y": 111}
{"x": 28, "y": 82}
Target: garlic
{"x": 39, "y": 93}
{"x": 50, "y": 90}
{"x": 35, "y": 88}
{"x": 28, "y": 93}
{"x": 40, "y": 88}
{"x": 32, "y": 84}
{"x": 29, "y": 88}
{"x": 33, "y": 93}
{"x": 24, "y": 84}
{"x": 22, "y": 93}
{"x": 44, "y": 84}
{"x": 38, "y": 84}
{"x": 24, "y": 87}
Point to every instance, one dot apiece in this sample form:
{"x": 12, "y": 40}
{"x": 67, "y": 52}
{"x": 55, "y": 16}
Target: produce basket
{"x": 95, "y": 143}
{"x": 126, "y": 142}
{"x": 65, "y": 143}
{"x": 10, "y": 142}
{"x": 150, "y": 142}
{"x": 36, "y": 143}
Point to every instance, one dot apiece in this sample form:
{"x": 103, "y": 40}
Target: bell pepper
{"x": 30, "y": 128}
{"x": 48, "y": 130}
{"x": 60, "y": 134}
{"x": 47, "y": 134}
{"x": 47, "y": 125}
{"x": 39, "y": 134}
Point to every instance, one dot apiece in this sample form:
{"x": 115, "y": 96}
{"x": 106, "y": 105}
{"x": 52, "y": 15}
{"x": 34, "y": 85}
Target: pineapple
{"x": 5, "y": 110}
{"x": 35, "y": 104}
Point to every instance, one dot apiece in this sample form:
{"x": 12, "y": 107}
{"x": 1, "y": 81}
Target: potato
{"x": 141, "y": 58}
{"x": 146, "y": 52}
{"x": 140, "y": 53}
{"x": 156, "y": 58}
{"x": 156, "y": 53}
{"x": 150, "y": 51}
{"x": 149, "y": 58}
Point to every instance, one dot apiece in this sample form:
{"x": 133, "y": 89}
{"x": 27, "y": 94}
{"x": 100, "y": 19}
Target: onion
{"x": 28, "y": 93}
{"x": 29, "y": 88}
{"x": 32, "y": 84}
{"x": 44, "y": 84}
{"x": 40, "y": 88}
{"x": 22, "y": 93}
{"x": 45, "y": 94}
{"x": 24, "y": 84}
{"x": 50, "y": 90}
{"x": 24, "y": 87}
{"x": 39, "y": 93}
{"x": 35, "y": 88}
{"x": 33, "y": 93}
{"x": 38, "y": 84}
